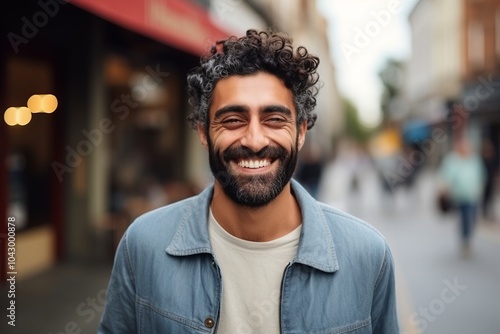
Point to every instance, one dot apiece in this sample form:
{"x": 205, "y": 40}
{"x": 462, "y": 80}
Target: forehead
{"x": 253, "y": 91}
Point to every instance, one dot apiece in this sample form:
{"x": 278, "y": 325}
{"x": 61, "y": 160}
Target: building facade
{"x": 454, "y": 67}
{"x": 435, "y": 68}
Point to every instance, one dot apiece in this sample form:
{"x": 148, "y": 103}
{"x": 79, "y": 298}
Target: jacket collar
{"x": 316, "y": 248}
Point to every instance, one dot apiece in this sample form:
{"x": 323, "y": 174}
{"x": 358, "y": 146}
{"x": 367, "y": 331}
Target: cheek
{"x": 217, "y": 145}
{"x": 220, "y": 141}
{"x": 288, "y": 138}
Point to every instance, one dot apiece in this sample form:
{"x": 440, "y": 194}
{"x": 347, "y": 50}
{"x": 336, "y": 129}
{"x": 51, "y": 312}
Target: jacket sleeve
{"x": 384, "y": 312}
{"x": 119, "y": 314}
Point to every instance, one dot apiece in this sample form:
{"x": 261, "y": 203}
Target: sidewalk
{"x": 490, "y": 229}
{"x": 65, "y": 299}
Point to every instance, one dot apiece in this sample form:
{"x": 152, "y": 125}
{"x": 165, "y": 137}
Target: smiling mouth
{"x": 254, "y": 164}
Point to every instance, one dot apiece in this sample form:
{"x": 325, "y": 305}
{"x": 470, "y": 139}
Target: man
{"x": 253, "y": 253}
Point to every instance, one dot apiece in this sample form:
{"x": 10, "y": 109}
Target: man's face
{"x": 253, "y": 139}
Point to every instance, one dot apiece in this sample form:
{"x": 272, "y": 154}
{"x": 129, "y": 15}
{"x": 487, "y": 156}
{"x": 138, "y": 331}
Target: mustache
{"x": 241, "y": 152}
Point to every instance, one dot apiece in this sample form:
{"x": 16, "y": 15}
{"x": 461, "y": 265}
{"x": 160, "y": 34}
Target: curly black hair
{"x": 264, "y": 51}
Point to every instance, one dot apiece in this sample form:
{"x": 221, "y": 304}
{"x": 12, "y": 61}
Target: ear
{"x": 203, "y": 135}
{"x": 302, "y": 134}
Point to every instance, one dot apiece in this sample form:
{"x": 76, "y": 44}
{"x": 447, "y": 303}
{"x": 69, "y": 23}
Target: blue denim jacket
{"x": 166, "y": 279}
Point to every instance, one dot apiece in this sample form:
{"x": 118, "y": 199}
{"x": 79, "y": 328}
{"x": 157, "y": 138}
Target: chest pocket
{"x": 152, "y": 319}
{"x": 360, "y": 327}
{"x": 315, "y": 302}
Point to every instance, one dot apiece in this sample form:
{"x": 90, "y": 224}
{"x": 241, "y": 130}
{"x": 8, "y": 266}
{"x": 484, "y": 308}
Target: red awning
{"x": 179, "y": 23}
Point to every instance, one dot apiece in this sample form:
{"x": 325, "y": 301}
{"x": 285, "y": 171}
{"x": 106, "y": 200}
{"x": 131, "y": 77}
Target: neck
{"x": 266, "y": 223}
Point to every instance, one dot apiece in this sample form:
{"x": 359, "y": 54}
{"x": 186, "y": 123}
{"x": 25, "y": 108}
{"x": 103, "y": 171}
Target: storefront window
{"x": 147, "y": 106}
{"x": 30, "y": 151}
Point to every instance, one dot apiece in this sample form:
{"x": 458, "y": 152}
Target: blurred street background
{"x": 94, "y": 133}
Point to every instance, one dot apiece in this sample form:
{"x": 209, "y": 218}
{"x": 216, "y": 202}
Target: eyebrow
{"x": 277, "y": 108}
{"x": 241, "y": 109}
{"x": 231, "y": 108}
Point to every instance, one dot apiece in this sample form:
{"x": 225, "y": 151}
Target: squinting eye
{"x": 232, "y": 123}
{"x": 231, "y": 120}
{"x": 276, "y": 120}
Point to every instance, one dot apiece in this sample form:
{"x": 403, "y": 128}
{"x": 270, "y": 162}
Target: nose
{"x": 255, "y": 137}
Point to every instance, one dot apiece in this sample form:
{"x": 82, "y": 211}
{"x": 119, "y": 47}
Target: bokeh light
{"x": 46, "y": 103}
{"x": 17, "y": 116}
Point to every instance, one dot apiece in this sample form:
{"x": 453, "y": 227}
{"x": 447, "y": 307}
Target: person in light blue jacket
{"x": 254, "y": 252}
{"x": 464, "y": 176}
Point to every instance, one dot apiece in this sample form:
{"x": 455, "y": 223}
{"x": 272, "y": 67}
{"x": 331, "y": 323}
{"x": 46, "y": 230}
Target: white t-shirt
{"x": 251, "y": 279}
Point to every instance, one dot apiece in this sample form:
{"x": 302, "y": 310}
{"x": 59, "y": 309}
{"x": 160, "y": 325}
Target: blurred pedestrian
{"x": 463, "y": 173}
{"x": 488, "y": 155}
{"x": 310, "y": 169}
{"x": 254, "y": 252}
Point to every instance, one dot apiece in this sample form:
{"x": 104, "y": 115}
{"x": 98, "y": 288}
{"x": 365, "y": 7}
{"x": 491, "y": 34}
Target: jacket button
{"x": 209, "y": 322}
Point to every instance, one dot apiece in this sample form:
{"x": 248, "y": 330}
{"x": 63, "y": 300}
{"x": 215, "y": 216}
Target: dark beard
{"x": 247, "y": 190}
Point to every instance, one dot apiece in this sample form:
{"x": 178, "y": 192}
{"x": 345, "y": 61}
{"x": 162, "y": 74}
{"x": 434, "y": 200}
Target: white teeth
{"x": 254, "y": 164}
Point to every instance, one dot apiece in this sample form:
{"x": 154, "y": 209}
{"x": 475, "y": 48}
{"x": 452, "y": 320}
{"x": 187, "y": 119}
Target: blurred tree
{"x": 392, "y": 78}
{"x": 354, "y": 129}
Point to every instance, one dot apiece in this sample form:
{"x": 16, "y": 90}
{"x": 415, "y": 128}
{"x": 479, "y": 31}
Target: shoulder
{"x": 361, "y": 251}
{"x": 347, "y": 232}
{"x": 161, "y": 224}
{"x": 350, "y": 232}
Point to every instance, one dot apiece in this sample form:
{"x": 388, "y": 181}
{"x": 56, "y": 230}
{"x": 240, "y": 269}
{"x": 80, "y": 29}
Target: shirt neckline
{"x": 290, "y": 239}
